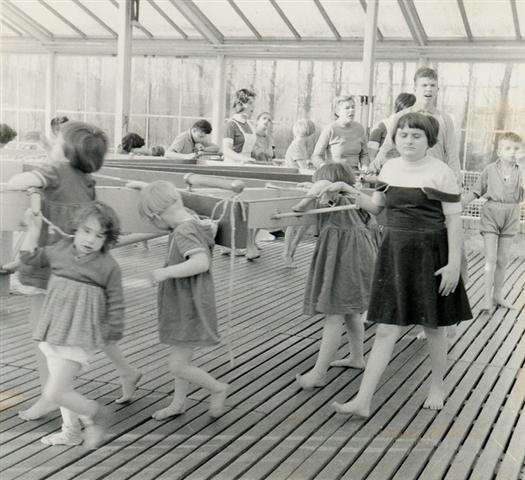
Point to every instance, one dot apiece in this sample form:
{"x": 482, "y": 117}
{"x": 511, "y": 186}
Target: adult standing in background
{"x": 239, "y": 136}
{"x": 264, "y": 148}
{"x": 344, "y": 140}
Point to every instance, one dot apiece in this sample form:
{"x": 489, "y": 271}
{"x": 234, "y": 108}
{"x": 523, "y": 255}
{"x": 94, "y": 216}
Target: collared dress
{"x": 84, "y": 304}
{"x": 500, "y": 214}
{"x": 186, "y": 306}
{"x": 405, "y": 289}
{"x": 341, "y": 269}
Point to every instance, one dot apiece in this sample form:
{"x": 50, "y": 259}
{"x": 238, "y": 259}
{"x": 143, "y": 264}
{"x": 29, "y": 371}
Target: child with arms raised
{"x": 186, "y": 295}
{"x": 501, "y": 183}
{"x": 83, "y": 310}
{"x": 66, "y": 184}
{"x": 416, "y": 277}
{"x": 340, "y": 273}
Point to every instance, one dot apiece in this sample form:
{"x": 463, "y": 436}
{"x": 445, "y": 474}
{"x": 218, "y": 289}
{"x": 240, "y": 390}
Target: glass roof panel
{"x": 44, "y": 17}
{"x": 520, "y": 7}
{"x": 264, "y": 18}
{"x": 78, "y": 17}
{"x": 440, "y": 18}
{"x": 105, "y": 10}
{"x": 347, "y": 16}
{"x": 391, "y": 21}
{"x": 153, "y": 21}
{"x": 306, "y": 18}
{"x": 490, "y": 19}
{"x": 178, "y": 18}
{"x": 7, "y": 31}
{"x": 224, "y": 17}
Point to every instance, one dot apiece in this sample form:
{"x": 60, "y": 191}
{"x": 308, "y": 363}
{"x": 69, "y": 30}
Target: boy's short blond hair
{"x": 510, "y": 137}
{"x": 303, "y": 128}
{"x": 156, "y": 197}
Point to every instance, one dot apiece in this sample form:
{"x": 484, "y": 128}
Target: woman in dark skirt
{"x": 416, "y": 278}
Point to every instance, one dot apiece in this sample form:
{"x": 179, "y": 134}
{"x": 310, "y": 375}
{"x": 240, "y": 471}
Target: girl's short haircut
{"x": 131, "y": 141}
{"x": 156, "y": 197}
{"x": 268, "y": 114}
{"x": 404, "y": 100}
{"x": 427, "y": 123}
{"x": 84, "y": 145}
{"x": 303, "y": 127}
{"x": 242, "y": 97}
{"x": 6, "y": 133}
{"x": 342, "y": 99}
{"x": 56, "y": 122}
{"x": 334, "y": 172}
{"x": 107, "y": 218}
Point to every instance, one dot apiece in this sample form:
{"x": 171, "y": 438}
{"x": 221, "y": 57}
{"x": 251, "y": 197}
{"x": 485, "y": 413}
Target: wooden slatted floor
{"x": 272, "y": 430}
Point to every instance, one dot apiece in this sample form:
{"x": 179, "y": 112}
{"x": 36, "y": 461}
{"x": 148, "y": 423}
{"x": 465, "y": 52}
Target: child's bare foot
{"x": 129, "y": 385}
{"x": 436, "y": 398}
{"x": 67, "y": 436}
{"x": 173, "y": 409}
{"x": 288, "y": 261}
{"x": 501, "y": 302}
{"x": 96, "y": 428}
{"x": 217, "y": 400}
{"x": 38, "y": 410}
{"x": 353, "y": 407}
{"x": 421, "y": 335}
{"x": 349, "y": 362}
{"x": 310, "y": 380}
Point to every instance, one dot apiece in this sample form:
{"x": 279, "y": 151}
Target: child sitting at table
{"x": 194, "y": 142}
{"x": 300, "y": 150}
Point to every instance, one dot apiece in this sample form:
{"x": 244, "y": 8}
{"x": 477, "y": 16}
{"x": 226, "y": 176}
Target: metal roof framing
{"x": 285, "y": 19}
{"x": 464, "y": 17}
{"x": 249, "y": 24}
{"x": 95, "y": 17}
{"x": 515, "y": 19}
{"x": 163, "y": 14}
{"x": 62, "y": 18}
{"x": 413, "y": 22}
{"x": 327, "y": 19}
{"x": 25, "y": 23}
{"x": 199, "y": 21}
{"x": 379, "y": 33}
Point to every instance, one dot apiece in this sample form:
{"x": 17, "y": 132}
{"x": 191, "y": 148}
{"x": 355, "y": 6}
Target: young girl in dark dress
{"x": 416, "y": 278}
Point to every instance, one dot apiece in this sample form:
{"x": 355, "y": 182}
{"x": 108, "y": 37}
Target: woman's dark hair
{"x": 427, "y": 123}
{"x": 334, "y": 172}
{"x": 106, "y": 216}
{"x": 242, "y": 97}
{"x": 131, "y": 141}
{"x": 404, "y": 100}
{"x": 6, "y": 133}
{"x": 84, "y": 145}
{"x": 56, "y": 122}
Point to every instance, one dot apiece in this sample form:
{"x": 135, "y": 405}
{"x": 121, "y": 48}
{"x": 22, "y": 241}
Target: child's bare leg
{"x": 491, "y": 251}
{"x": 292, "y": 237}
{"x": 129, "y": 376}
{"x": 70, "y": 433}
{"x": 181, "y": 367}
{"x": 178, "y": 404}
{"x": 41, "y": 407}
{"x": 59, "y": 390}
{"x": 385, "y": 339}
{"x": 355, "y": 330}
{"x": 332, "y": 332}
{"x": 504, "y": 245}
{"x": 437, "y": 346}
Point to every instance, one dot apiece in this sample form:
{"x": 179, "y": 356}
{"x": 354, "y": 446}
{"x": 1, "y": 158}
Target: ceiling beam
{"x": 245, "y": 19}
{"x": 413, "y": 22}
{"x": 379, "y": 33}
{"x": 163, "y": 14}
{"x": 285, "y": 20}
{"x": 515, "y": 18}
{"x": 327, "y": 19}
{"x": 25, "y": 22}
{"x": 502, "y": 50}
{"x": 199, "y": 21}
{"x": 62, "y": 18}
{"x": 95, "y": 17}
{"x": 464, "y": 18}
{"x": 12, "y": 28}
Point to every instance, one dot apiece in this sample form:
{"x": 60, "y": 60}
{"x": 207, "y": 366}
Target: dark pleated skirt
{"x": 405, "y": 290}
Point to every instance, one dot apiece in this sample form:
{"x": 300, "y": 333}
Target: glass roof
{"x": 265, "y": 20}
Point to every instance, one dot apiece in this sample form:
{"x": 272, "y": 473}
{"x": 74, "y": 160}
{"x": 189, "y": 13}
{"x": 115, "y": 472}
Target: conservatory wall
{"x": 168, "y": 94}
